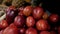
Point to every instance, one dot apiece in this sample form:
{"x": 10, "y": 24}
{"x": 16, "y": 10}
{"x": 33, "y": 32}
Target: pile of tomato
{"x": 29, "y": 20}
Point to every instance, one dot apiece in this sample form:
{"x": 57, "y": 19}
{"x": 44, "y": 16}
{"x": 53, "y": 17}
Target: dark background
{"x": 52, "y": 6}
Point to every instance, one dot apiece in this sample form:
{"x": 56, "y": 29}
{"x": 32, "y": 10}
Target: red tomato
{"x": 22, "y": 30}
{"x": 19, "y": 21}
{"x": 38, "y": 12}
{"x": 44, "y": 32}
{"x": 31, "y": 31}
{"x": 12, "y": 29}
{"x": 3, "y": 24}
{"x": 27, "y": 10}
{"x": 42, "y": 25}
{"x": 54, "y": 17}
{"x": 30, "y": 21}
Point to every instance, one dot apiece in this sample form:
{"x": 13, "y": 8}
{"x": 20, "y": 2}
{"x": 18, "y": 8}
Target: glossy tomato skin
{"x": 19, "y": 21}
{"x": 10, "y": 15}
{"x": 27, "y": 10}
{"x": 44, "y": 32}
{"x": 22, "y": 30}
{"x": 42, "y": 25}
{"x": 3, "y": 24}
{"x": 31, "y": 31}
{"x": 37, "y": 12}
{"x": 54, "y": 17}
{"x": 21, "y": 13}
{"x": 1, "y": 32}
{"x": 12, "y": 29}
{"x": 30, "y": 22}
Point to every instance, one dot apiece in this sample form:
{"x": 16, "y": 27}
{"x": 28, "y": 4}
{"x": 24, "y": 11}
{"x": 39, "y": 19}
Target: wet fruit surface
{"x": 37, "y": 12}
{"x": 27, "y": 11}
{"x": 42, "y": 25}
{"x": 12, "y": 29}
{"x": 31, "y": 31}
{"x": 3, "y": 24}
{"x": 54, "y": 17}
{"x": 30, "y": 21}
{"x": 10, "y": 15}
{"x": 19, "y": 21}
{"x": 22, "y": 30}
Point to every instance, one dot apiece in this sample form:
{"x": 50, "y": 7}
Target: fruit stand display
{"x": 27, "y": 17}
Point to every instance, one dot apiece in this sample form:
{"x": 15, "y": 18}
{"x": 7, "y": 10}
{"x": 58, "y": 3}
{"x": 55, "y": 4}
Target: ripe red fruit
{"x": 3, "y": 24}
{"x": 10, "y": 15}
{"x": 27, "y": 11}
{"x": 10, "y": 8}
{"x": 31, "y": 31}
{"x": 21, "y": 13}
{"x": 12, "y": 29}
{"x": 19, "y": 21}
{"x": 54, "y": 17}
{"x": 42, "y": 25}
{"x": 1, "y": 32}
{"x": 22, "y": 30}
{"x": 37, "y": 12}
{"x": 45, "y": 15}
{"x": 44, "y": 32}
{"x": 30, "y": 21}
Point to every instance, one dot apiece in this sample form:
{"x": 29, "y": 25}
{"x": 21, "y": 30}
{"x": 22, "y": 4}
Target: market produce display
{"x": 29, "y": 20}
